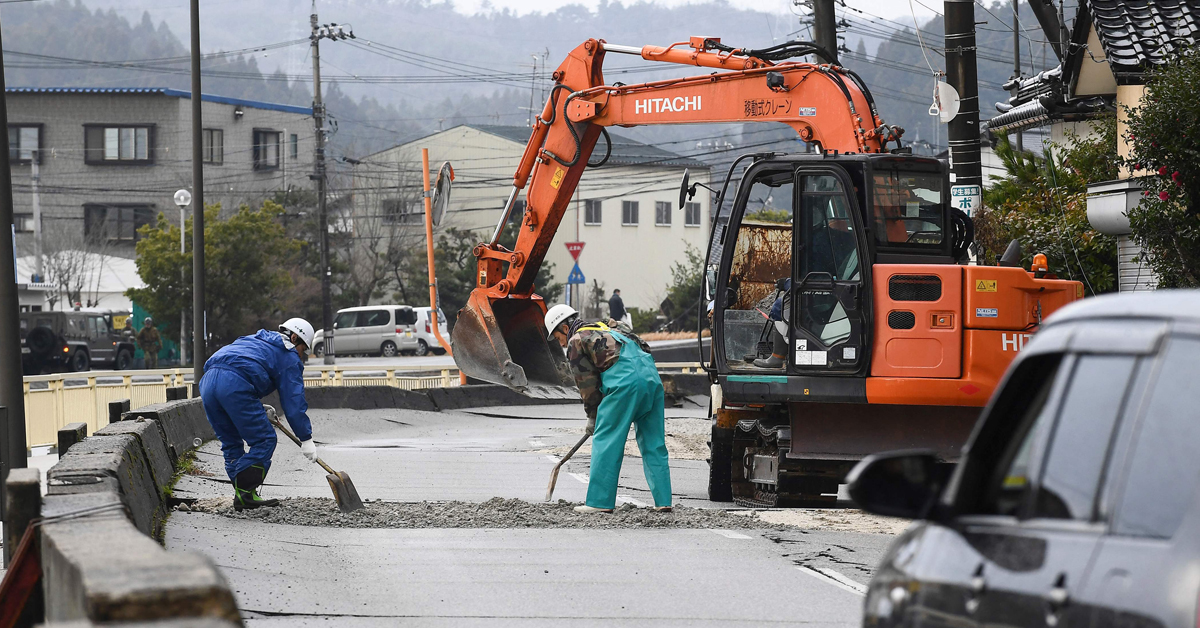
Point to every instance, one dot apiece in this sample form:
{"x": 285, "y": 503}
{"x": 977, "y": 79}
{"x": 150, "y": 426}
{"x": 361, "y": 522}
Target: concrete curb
{"x": 106, "y": 566}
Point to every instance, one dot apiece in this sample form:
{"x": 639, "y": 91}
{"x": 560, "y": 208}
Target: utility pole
{"x": 966, "y": 175}
{"x": 319, "y": 32}
{"x": 34, "y": 180}
{"x": 825, "y": 28}
{"x": 12, "y": 393}
{"x": 319, "y": 174}
{"x": 199, "y": 321}
{"x": 1017, "y": 60}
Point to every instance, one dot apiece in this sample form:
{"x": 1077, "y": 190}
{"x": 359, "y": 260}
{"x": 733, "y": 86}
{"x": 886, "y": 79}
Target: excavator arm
{"x": 499, "y": 336}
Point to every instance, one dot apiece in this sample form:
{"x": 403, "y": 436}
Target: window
{"x": 1080, "y": 444}
{"x": 399, "y": 211}
{"x": 23, "y": 140}
{"x": 266, "y": 149}
{"x": 1164, "y": 469}
{"x": 345, "y": 319}
{"x": 293, "y": 147}
{"x": 629, "y": 213}
{"x": 116, "y": 223}
{"x": 374, "y": 318}
{"x": 662, "y": 213}
{"x": 104, "y": 144}
{"x": 23, "y": 223}
{"x": 691, "y": 214}
{"x": 214, "y": 146}
{"x": 97, "y": 328}
{"x": 406, "y": 316}
{"x": 908, "y": 208}
{"x": 591, "y": 212}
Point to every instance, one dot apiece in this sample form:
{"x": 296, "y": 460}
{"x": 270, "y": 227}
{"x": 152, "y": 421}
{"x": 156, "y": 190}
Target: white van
{"x": 426, "y": 340}
{"x": 385, "y": 330}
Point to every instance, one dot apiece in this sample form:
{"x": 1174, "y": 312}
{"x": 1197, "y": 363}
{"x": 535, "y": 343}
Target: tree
{"x": 247, "y": 256}
{"x": 72, "y": 262}
{"x": 1162, "y": 135}
{"x": 1043, "y": 203}
{"x": 386, "y": 233}
{"x": 683, "y": 294}
{"x": 456, "y": 265}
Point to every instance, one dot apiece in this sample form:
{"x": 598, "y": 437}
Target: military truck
{"x": 75, "y": 341}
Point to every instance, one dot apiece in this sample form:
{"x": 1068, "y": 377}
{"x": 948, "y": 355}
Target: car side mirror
{"x": 903, "y": 484}
{"x": 686, "y": 190}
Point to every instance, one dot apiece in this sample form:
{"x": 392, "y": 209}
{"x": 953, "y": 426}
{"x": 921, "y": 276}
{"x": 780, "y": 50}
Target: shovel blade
{"x": 344, "y": 491}
{"x": 504, "y": 342}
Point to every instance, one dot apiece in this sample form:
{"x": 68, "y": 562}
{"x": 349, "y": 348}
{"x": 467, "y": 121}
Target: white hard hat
{"x": 556, "y": 316}
{"x": 301, "y": 328}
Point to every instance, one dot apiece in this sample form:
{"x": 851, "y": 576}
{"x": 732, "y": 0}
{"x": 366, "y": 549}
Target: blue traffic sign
{"x": 576, "y": 276}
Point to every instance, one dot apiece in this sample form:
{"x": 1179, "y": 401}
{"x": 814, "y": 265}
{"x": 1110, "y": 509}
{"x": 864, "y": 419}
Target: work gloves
{"x": 309, "y": 449}
{"x": 591, "y": 426}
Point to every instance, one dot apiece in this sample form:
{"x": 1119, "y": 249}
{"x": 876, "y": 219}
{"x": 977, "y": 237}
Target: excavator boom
{"x": 499, "y": 336}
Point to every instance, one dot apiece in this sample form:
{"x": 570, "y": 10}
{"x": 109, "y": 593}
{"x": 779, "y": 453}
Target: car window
{"x": 1163, "y": 472}
{"x": 374, "y": 318}
{"x": 1082, "y": 436}
{"x": 346, "y": 319}
{"x": 1020, "y": 415}
{"x": 97, "y": 327}
{"x": 77, "y": 325}
{"x": 406, "y": 316}
{"x": 47, "y": 322}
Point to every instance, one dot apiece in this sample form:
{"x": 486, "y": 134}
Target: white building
{"x": 99, "y": 280}
{"x": 625, "y": 212}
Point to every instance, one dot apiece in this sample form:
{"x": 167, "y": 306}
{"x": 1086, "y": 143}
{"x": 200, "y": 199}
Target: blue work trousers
{"x": 237, "y": 416}
{"x": 633, "y": 394}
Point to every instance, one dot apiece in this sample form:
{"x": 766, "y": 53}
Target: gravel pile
{"x": 494, "y": 513}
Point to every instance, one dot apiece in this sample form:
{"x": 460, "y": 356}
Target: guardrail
{"x": 53, "y": 401}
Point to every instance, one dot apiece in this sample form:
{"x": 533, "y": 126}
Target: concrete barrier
{"x": 486, "y": 395}
{"x": 69, "y": 435}
{"x": 105, "y": 507}
{"x": 182, "y": 422}
{"x": 101, "y": 568}
{"x": 112, "y": 463}
{"x": 363, "y": 398}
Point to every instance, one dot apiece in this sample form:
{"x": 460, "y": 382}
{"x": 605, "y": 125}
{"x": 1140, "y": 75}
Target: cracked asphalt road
{"x": 299, "y": 575}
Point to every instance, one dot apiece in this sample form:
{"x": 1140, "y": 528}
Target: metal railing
{"x": 53, "y": 401}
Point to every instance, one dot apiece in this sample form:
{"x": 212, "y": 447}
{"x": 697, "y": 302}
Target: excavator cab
{"x": 789, "y": 267}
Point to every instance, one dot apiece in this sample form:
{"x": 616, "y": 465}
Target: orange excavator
{"x": 845, "y": 319}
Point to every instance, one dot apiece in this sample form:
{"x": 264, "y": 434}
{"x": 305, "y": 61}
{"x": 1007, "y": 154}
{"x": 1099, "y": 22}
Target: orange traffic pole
{"x": 433, "y": 308}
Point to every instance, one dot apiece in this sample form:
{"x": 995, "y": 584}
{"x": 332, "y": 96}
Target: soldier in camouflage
{"x": 620, "y": 386}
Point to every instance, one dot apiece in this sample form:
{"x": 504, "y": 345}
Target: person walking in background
{"x": 617, "y": 311}
{"x": 150, "y": 342}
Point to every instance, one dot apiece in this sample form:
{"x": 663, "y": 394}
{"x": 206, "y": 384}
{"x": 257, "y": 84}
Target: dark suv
{"x": 73, "y": 341}
{"x": 1076, "y": 500}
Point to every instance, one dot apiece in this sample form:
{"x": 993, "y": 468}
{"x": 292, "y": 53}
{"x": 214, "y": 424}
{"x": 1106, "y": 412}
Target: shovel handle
{"x": 554, "y": 473}
{"x": 281, "y": 427}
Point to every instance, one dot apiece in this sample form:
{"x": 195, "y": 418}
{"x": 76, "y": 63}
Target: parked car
{"x": 73, "y": 341}
{"x": 426, "y": 340}
{"x": 1077, "y": 499}
{"x": 385, "y": 330}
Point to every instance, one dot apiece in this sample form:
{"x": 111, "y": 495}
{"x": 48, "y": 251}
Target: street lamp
{"x": 183, "y": 198}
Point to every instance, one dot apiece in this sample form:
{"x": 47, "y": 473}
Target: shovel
{"x": 343, "y": 489}
{"x": 554, "y": 474}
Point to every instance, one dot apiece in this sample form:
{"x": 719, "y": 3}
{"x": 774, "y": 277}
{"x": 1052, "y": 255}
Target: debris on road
{"x": 515, "y": 513}
{"x": 494, "y": 513}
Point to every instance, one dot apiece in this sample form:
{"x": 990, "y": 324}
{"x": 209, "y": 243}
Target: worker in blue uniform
{"x": 236, "y": 378}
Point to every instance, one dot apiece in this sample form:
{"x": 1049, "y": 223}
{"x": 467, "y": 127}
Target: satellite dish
{"x": 441, "y": 193}
{"x": 948, "y": 101}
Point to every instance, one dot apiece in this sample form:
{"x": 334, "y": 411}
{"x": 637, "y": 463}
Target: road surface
{"x": 459, "y": 574}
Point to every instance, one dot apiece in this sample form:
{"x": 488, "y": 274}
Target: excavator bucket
{"x": 504, "y": 342}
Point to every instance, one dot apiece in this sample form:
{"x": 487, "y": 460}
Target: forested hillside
{"x": 417, "y": 66}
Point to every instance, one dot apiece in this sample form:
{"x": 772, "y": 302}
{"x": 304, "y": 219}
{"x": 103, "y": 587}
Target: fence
{"x": 53, "y": 401}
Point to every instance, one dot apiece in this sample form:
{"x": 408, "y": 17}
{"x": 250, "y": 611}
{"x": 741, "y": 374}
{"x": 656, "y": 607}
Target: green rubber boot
{"x": 245, "y": 489}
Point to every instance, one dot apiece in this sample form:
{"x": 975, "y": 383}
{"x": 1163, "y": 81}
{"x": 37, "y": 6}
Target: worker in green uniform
{"x": 150, "y": 342}
{"x": 620, "y": 386}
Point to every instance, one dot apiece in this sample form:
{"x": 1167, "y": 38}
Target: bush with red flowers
{"x": 1163, "y": 133}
